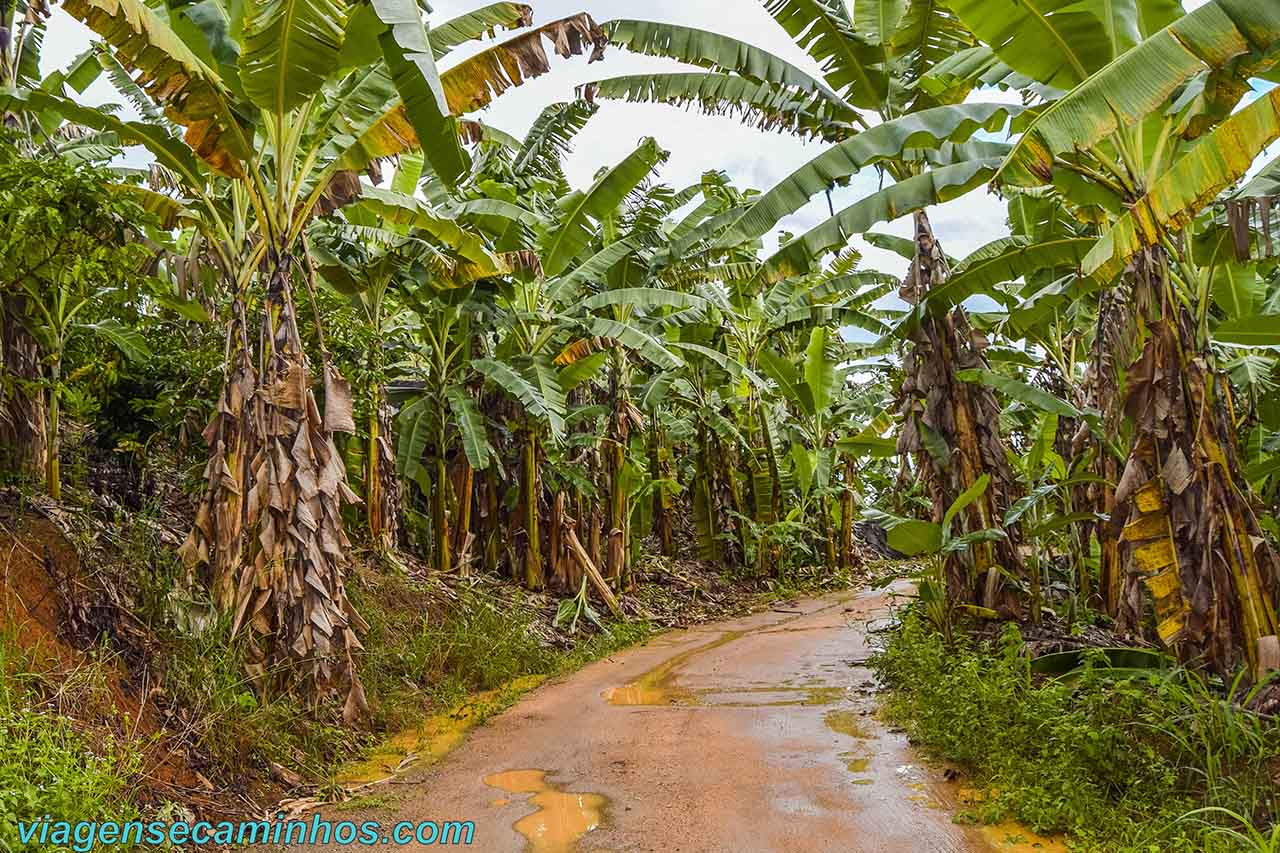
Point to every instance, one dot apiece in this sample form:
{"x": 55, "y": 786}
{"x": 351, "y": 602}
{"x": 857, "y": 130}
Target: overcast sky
{"x": 697, "y": 143}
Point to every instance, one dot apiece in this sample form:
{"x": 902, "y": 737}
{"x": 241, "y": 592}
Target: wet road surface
{"x": 756, "y": 734}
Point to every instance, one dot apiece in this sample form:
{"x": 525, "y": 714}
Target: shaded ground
{"x": 755, "y": 734}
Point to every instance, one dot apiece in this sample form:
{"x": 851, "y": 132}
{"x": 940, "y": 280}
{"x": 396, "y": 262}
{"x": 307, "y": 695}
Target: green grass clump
{"x": 1117, "y": 763}
{"x": 239, "y": 729}
{"x": 48, "y": 768}
{"x": 416, "y": 662}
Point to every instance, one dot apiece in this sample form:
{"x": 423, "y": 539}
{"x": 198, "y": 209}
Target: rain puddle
{"x": 1007, "y": 836}
{"x": 1016, "y": 838}
{"x": 430, "y": 741}
{"x": 847, "y": 722}
{"x": 562, "y": 816}
{"x": 658, "y": 687}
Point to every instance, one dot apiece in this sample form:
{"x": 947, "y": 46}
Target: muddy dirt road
{"x": 750, "y": 735}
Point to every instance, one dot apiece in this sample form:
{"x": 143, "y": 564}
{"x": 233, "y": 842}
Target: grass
{"x": 47, "y": 767}
{"x": 1149, "y": 764}
{"x": 419, "y": 660}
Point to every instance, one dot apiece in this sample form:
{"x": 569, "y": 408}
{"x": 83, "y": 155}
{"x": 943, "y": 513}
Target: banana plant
{"x": 873, "y": 57}
{"x": 1129, "y": 147}
{"x": 935, "y": 540}
{"x": 286, "y": 104}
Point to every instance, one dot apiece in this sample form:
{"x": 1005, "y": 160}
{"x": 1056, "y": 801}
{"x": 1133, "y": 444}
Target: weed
{"x": 368, "y": 802}
{"x": 237, "y": 728}
{"x": 419, "y": 661}
{"x": 48, "y": 768}
{"x": 1240, "y": 832}
{"x": 1113, "y": 762}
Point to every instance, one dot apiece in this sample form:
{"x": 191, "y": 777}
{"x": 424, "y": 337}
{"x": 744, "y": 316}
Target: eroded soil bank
{"x": 754, "y": 734}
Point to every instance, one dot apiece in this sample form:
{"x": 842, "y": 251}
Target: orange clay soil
{"x": 756, "y": 734}
{"x": 37, "y": 565}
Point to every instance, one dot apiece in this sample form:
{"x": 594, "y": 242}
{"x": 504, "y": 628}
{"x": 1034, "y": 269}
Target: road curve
{"x": 755, "y": 734}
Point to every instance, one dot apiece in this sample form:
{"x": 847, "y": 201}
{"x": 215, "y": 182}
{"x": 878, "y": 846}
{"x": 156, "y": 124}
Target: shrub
{"x": 1113, "y": 761}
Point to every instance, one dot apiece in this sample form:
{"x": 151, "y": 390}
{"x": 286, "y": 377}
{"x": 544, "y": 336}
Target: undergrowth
{"x": 431, "y": 647}
{"x": 418, "y": 660}
{"x": 1148, "y": 764}
{"x": 47, "y": 767}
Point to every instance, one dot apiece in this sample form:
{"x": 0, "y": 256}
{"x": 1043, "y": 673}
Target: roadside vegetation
{"x": 346, "y": 404}
{"x": 1119, "y": 759}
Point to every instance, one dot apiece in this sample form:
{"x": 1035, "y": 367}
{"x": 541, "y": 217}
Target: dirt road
{"x": 750, "y": 735}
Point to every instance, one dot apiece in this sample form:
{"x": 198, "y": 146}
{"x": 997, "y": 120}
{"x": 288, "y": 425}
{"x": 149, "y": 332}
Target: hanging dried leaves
{"x": 213, "y": 551}
{"x": 473, "y": 83}
{"x": 951, "y": 428}
{"x": 343, "y": 188}
{"x": 1240, "y": 220}
{"x": 1189, "y": 530}
{"x": 269, "y": 530}
{"x": 339, "y": 415}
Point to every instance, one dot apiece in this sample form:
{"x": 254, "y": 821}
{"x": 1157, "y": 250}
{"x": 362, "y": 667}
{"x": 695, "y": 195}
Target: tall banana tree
{"x": 875, "y": 59}
{"x": 285, "y": 103}
{"x": 384, "y": 257}
{"x": 1145, "y": 139}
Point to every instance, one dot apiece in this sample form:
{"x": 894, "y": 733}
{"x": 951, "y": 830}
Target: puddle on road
{"x": 562, "y": 816}
{"x": 430, "y": 741}
{"x": 658, "y": 687}
{"x": 847, "y": 722}
{"x": 1016, "y": 838}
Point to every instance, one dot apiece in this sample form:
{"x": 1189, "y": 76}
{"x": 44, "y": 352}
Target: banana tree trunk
{"x": 662, "y": 522}
{"x": 492, "y": 523}
{"x": 462, "y": 535}
{"x": 556, "y": 546}
{"x": 828, "y": 534}
{"x": 24, "y": 432}
{"x": 1113, "y": 350}
{"x": 626, "y": 417}
{"x": 1189, "y": 529}
{"x": 534, "y": 576}
{"x": 952, "y": 428}
{"x": 706, "y": 518}
{"x": 733, "y": 489}
{"x": 616, "y": 566}
{"x": 382, "y": 485}
{"x": 440, "y": 516}
{"x": 846, "y": 516}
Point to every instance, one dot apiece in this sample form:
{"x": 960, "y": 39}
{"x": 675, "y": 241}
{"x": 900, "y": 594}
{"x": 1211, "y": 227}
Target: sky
{"x": 696, "y": 142}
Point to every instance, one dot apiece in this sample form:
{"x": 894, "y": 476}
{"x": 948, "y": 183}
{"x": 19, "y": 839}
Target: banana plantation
{"x": 291, "y": 281}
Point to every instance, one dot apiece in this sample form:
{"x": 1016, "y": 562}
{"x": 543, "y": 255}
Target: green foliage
{"x": 417, "y": 659}
{"x": 47, "y": 767}
{"x": 1114, "y": 761}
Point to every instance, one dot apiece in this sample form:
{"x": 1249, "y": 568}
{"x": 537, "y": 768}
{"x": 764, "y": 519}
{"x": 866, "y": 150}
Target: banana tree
{"x": 875, "y": 59}
{"x": 1140, "y": 145}
{"x": 287, "y": 103}
{"x": 936, "y": 540}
